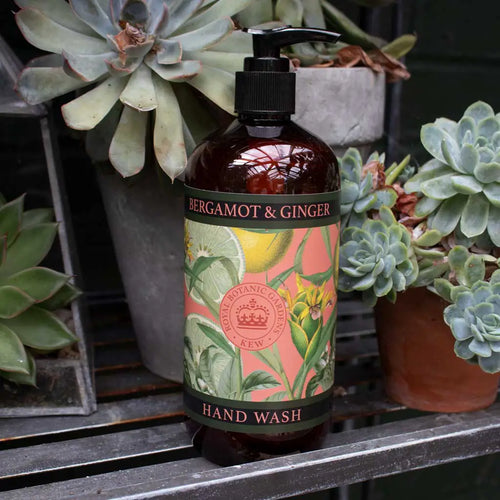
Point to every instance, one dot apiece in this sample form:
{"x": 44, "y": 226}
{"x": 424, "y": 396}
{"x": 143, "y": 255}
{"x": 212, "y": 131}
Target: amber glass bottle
{"x": 274, "y": 319}
{"x": 260, "y": 155}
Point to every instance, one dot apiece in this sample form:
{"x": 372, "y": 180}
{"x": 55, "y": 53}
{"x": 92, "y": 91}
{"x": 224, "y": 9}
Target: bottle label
{"x": 260, "y": 295}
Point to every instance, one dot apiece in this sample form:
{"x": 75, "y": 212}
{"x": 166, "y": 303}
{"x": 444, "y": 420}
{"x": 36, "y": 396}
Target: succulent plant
{"x": 461, "y": 184}
{"x": 320, "y": 14}
{"x": 139, "y": 56}
{"x": 377, "y": 258}
{"x": 28, "y": 293}
{"x": 474, "y": 313}
{"x": 363, "y": 187}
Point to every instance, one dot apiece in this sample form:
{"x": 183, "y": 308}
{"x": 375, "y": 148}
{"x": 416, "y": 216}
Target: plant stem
{"x": 239, "y": 380}
{"x": 393, "y": 171}
{"x": 286, "y": 383}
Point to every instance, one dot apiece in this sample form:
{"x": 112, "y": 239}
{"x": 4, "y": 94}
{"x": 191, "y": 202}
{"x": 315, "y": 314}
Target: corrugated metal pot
{"x": 420, "y": 367}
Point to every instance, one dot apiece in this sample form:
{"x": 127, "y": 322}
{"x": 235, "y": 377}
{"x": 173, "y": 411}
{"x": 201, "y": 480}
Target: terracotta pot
{"x": 420, "y": 367}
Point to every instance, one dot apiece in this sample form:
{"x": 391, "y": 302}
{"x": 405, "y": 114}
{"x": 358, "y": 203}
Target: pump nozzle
{"x": 266, "y": 85}
{"x": 267, "y": 43}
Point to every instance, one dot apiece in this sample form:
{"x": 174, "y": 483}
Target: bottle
{"x": 261, "y": 235}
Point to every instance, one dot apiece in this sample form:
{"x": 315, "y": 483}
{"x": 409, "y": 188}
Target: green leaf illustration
{"x": 278, "y": 280}
{"x": 325, "y": 233}
{"x": 269, "y": 358}
{"x": 277, "y": 396}
{"x": 217, "y": 339}
{"x": 299, "y": 338}
{"x": 259, "y": 380}
{"x": 300, "y": 253}
{"x": 319, "y": 278}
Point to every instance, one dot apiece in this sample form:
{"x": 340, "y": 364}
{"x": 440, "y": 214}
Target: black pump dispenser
{"x": 266, "y": 86}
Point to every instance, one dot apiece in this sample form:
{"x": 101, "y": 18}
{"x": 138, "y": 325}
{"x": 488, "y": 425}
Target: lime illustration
{"x": 227, "y": 266}
{"x": 207, "y": 360}
{"x": 263, "y": 250}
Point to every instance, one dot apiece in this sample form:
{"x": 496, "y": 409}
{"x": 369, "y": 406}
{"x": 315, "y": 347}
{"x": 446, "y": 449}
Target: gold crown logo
{"x": 251, "y": 315}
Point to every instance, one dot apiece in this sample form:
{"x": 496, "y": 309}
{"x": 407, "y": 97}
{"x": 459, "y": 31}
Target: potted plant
{"x": 32, "y": 298}
{"x": 427, "y": 244}
{"x": 151, "y": 67}
{"x": 343, "y": 107}
{"x": 154, "y": 72}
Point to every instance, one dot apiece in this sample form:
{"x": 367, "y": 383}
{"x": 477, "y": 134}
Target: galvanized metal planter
{"x": 65, "y": 385}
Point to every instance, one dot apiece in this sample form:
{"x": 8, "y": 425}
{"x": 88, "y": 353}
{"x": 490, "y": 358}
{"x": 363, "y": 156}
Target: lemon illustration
{"x": 263, "y": 250}
{"x": 214, "y": 241}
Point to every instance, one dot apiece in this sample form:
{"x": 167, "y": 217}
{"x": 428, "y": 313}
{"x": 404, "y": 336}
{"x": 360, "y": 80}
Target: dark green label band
{"x": 262, "y": 211}
{"x": 259, "y": 417}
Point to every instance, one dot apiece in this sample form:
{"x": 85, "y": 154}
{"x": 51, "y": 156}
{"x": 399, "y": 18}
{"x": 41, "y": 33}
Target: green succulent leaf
{"x": 494, "y": 225}
{"x": 352, "y": 34}
{"x": 29, "y": 248}
{"x": 457, "y": 258}
{"x": 492, "y": 192}
{"x": 37, "y": 216}
{"x": 400, "y": 46}
{"x": 290, "y": 11}
{"x": 475, "y": 216}
{"x": 479, "y": 111}
{"x": 439, "y": 188}
{"x": 467, "y": 129}
{"x": 443, "y": 288}
{"x": 226, "y": 61}
{"x": 22, "y": 378}
{"x": 466, "y": 184}
{"x": 487, "y": 172}
{"x": 432, "y": 138}
{"x": 474, "y": 270}
{"x": 40, "y": 84}
{"x": 13, "y": 357}
{"x": 215, "y": 11}
{"x": 67, "y": 294}
{"x": 13, "y": 301}
{"x": 11, "y": 215}
{"x": 92, "y": 14}
{"x": 449, "y": 214}
{"x": 39, "y": 283}
{"x": 140, "y": 91}
{"x": 426, "y": 206}
{"x": 127, "y": 151}
{"x": 430, "y": 238}
{"x": 259, "y": 12}
{"x": 85, "y": 112}
{"x": 88, "y": 68}
{"x": 168, "y": 138}
{"x": 46, "y": 34}
{"x": 40, "y": 329}
{"x": 206, "y": 36}
{"x": 217, "y": 85}
{"x": 60, "y": 12}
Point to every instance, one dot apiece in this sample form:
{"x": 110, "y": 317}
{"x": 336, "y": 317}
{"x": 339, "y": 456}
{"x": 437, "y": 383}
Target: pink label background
{"x": 315, "y": 260}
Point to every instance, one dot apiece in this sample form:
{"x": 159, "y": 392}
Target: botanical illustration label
{"x": 260, "y": 294}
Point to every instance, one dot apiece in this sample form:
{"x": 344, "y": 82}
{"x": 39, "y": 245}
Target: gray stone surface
{"x": 343, "y": 106}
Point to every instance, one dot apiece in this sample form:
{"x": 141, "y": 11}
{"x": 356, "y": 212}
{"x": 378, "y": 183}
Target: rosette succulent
{"x": 28, "y": 293}
{"x": 363, "y": 187}
{"x": 139, "y": 56}
{"x": 461, "y": 184}
{"x": 377, "y": 258}
{"x": 474, "y": 313}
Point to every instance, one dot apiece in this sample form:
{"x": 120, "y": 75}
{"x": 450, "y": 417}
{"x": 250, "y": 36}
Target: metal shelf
{"x": 135, "y": 445}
